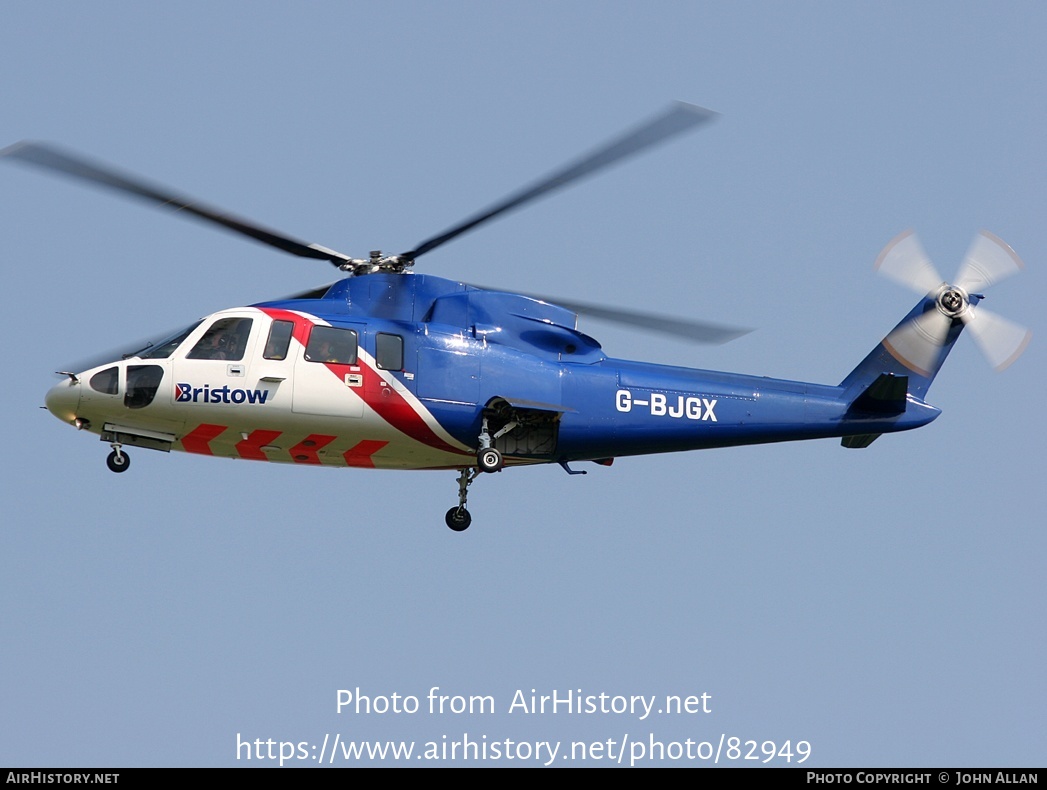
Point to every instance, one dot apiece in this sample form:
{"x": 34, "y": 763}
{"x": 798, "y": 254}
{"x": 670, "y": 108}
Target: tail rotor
{"x": 921, "y": 341}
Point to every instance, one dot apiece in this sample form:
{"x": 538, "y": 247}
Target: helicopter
{"x": 387, "y": 368}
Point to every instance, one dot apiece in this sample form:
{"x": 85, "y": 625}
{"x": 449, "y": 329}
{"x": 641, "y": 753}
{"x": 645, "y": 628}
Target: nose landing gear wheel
{"x": 458, "y": 519}
{"x": 489, "y": 460}
{"x": 118, "y": 461}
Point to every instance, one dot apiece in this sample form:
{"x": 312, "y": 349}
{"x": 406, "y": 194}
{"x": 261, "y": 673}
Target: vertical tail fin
{"x": 918, "y": 346}
{"x": 915, "y": 349}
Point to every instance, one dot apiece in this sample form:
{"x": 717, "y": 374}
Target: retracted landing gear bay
{"x": 458, "y": 518}
{"x": 488, "y": 458}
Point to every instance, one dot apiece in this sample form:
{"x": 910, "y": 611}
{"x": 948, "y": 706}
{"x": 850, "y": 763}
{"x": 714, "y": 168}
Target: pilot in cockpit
{"x": 225, "y": 339}
{"x": 213, "y": 345}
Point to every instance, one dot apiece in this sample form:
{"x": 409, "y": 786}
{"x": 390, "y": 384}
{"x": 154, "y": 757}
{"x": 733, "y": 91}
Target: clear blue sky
{"x": 884, "y": 605}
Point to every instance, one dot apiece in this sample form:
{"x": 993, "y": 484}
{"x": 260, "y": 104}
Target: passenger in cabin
{"x": 274, "y": 348}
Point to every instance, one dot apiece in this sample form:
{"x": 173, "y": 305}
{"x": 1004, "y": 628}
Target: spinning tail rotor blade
{"x": 918, "y": 343}
{"x": 904, "y": 261}
{"x": 1001, "y": 341}
{"x": 51, "y": 158}
{"x": 989, "y": 260}
{"x": 679, "y": 118}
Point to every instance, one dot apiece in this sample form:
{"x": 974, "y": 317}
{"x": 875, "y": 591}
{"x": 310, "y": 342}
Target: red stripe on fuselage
{"x": 199, "y": 439}
{"x": 251, "y": 447}
{"x": 360, "y": 454}
{"x": 300, "y": 332}
{"x": 305, "y": 452}
{"x": 388, "y": 404}
{"x": 392, "y": 407}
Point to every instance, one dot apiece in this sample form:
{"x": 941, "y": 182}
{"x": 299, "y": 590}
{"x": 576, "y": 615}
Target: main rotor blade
{"x": 679, "y": 118}
{"x": 312, "y": 293}
{"x": 128, "y": 349}
{"x": 51, "y": 158}
{"x": 694, "y": 331}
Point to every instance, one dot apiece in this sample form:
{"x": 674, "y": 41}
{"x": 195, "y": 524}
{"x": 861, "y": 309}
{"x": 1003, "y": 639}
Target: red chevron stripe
{"x": 360, "y": 455}
{"x": 251, "y": 447}
{"x": 305, "y": 452}
{"x": 199, "y": 439}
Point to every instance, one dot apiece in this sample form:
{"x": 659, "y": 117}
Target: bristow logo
{"x": 187, "y": 393}
{"x": 691, "y": 407}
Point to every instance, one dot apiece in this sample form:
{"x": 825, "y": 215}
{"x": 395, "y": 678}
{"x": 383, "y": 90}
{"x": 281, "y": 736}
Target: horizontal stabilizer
{"x": 859, "y": 441}
{"x": 886, "y": 395}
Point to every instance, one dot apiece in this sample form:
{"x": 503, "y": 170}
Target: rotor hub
{"x": 396, "y": 264}
{"x": 952, "y": 301}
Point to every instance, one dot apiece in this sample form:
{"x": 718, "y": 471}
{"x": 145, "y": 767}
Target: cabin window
{"x": 142, "y": 384}
{"x": 331, "y": 344}
{"x": 389, "y": 351}
{"x": 279, "y": 341}
{"x": 225, "y": 339}
{"x": 107, "y": 381}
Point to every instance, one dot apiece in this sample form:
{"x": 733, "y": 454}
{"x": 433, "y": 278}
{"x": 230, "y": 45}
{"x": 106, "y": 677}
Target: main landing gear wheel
{"x": 489, "y": 460}
{"x": 118, "y": 461}
{"x": 458, "y": 519}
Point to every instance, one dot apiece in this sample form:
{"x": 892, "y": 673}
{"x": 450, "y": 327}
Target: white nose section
{"x": 63, "y": 399}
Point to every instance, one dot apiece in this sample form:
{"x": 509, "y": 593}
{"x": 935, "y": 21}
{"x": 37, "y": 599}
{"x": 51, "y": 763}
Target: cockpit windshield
{"x": 165, "y": 346}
